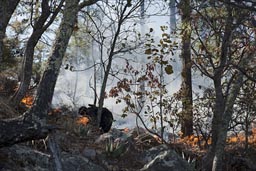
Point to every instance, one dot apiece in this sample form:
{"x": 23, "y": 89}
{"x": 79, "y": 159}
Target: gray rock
{"x": 78, "y": 163}
{"x": 22, "y": 158}
{"x": 18, "y": 157}
{"x": 161, "y": 158}
{"x": 114, "y": 135}
{"x": 89, "y": 153}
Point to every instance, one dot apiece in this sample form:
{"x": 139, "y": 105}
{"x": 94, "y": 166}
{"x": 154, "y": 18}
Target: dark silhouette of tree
{"x": 186, "y": 87}
{"x": 7, "y": 8}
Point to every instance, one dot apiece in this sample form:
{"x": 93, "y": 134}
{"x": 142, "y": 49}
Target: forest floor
{"x": 72, "y": 138}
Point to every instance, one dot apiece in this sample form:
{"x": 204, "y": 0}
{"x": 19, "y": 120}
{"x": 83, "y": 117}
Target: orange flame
{"x": 83, "y": 120}
{"x": 28, "y": 101}
{"x": 194, "y": 141}
{"x": 55, "y": 111}
{"x": 240, "y": 138}
{"x": 191, "y": 140}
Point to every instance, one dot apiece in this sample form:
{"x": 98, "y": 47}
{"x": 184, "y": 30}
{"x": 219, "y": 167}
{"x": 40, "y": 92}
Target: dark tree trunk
{"x": 220, "y": 101}
{"x": 218, "y": 111}
{"x": 227, "y": 115}
{"x": 7, "y": 8}
{"x": 46, "y": 88}
{"x": 30, "y": 125}
{"x": 39, "y": 28}
{"x": 186, "y": 87}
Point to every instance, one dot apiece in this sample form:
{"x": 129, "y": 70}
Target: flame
{"x": 194, "y": 141}
{"x": 28, "y": 100}
{"x": 191, "y": 140}
{"x": 240, "y": 138}
{"x": 83, "y": 120}
{"x": 55, "y": 111}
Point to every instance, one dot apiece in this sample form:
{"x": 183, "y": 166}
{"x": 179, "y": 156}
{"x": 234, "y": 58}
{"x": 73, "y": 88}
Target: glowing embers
{"x": 83, "y": 120}
{"x": 28, "y": 100}
{"x": 241, "y": 138}
{"x": 195, "y": 141}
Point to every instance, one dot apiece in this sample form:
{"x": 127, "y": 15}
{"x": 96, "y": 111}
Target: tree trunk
{"x": 39, "y": 28}
{"x": 46, "y": 88}
{"x": 30, "y": 125}
{"x": 220, "y": 101}
{"x": 219, "y": 108}
{"x": 218, "y": 111}
{"x": 187, "y": 101}
{"x": 7, "y": 8}
{"x": 110, "y": 59}
{"x": 227, "y": 115}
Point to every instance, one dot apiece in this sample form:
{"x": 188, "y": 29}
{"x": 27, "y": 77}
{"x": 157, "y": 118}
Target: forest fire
{"x": 28, "y": 100}
{"x": 82, "y": 120}
{"x": 241, "y": 138}
{"x": 195, "y": 141}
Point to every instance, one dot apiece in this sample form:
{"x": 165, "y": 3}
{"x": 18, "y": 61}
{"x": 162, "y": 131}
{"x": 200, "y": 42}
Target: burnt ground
{"x": 74, "y": 137}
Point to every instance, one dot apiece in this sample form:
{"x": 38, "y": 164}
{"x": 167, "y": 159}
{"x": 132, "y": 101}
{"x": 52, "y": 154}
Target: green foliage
{"x": 168, "y": 69}
{"x": 162, "y": 51}
{"x": 114, "y": 148}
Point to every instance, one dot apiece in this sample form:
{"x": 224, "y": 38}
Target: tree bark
{"x": 186, "y": 87}
{"x": 227, "y": 115}
{"x": 220, "y": 100}
{"x": 7, "y": 8}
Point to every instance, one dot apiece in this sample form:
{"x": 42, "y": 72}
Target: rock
{"x": 19, "y": 157}
{"x": 116, "y": 143}
{"x": 78, "y": 163}
{"x": 137, "y": 131}
{"x": 161, "y": 158}
{"x": 89, "y": 153}
{"x": 115, "y": 135}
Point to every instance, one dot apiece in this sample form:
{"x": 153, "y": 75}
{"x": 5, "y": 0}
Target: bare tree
{"x": 117, "y": 42}
{"x": 39, "y": 26}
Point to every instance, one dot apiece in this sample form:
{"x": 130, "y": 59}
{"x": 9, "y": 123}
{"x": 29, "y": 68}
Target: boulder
{"x": 89, "y": 153}
{"x": 161, "y": 158}
{"x": 115, "y": 135}
{"x": 78, "y": 163}
{"x": 19, "y": 157}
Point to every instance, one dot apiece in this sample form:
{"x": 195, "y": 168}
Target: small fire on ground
{"x": 240, "y": 139}
{"x": 28, "y": 100}
{"x": 83, "y": 120}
